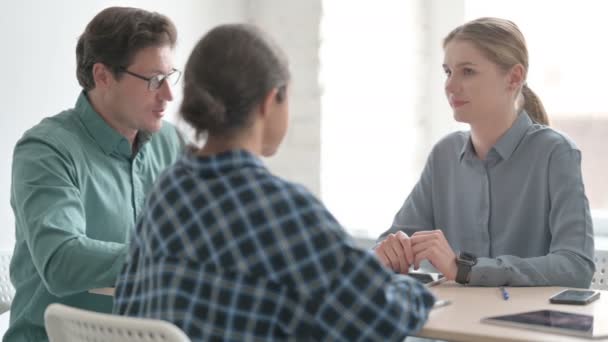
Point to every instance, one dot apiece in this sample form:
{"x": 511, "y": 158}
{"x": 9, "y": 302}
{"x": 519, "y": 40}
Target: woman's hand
{"x": 395, "y": 252}
{"x": 433, "y": 246}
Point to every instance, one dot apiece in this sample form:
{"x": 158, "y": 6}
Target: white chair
{"x": 600, "y": 278}
{"x": 6, "y": 288}
{"x": 67, "y": 324}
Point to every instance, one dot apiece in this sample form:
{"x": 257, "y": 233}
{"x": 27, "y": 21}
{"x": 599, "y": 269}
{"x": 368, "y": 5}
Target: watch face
{"x": 467, "y": 258}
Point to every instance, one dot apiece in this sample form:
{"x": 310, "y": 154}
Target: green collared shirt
{"x": 77, "y": 190}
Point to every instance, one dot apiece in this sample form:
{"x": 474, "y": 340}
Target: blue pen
{"x": 505, "y": 294}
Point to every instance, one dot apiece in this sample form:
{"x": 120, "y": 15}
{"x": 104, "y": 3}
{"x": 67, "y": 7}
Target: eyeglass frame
{"x": 158, "y": 78}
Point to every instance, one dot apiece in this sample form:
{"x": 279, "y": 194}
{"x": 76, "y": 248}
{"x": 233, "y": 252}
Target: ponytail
{"x": 533, "y": 106}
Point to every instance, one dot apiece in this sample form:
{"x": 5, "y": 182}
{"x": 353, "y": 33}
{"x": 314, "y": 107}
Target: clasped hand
{"x": 399, "y": 251}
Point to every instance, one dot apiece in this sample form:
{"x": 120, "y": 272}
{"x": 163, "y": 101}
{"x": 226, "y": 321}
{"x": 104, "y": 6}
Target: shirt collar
{"x": 223, "y": 162}
{"x": 467, "y": 149}
{"x": 105, "y": 136}
{"x": 511, "y": 139}
{"x": 507, "y": 143}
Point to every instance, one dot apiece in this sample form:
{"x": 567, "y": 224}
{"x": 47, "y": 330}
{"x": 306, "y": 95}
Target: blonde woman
{"x": 503, "y": 203}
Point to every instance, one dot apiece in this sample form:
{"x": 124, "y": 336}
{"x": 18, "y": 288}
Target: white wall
{"x": 373, "y": 80}
{"x": 295, "y": 27}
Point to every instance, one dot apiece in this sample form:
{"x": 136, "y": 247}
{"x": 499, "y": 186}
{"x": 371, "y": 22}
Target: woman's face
{"x": 476, "y": 88}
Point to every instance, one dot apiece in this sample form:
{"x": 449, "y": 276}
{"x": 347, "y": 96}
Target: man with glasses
{"x": 80, "y": 178}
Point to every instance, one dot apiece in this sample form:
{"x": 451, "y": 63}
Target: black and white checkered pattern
{"x": 225, "y": 250}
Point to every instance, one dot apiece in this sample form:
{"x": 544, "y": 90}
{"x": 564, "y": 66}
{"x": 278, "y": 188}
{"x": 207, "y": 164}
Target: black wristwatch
{"x": 465, "y": 261}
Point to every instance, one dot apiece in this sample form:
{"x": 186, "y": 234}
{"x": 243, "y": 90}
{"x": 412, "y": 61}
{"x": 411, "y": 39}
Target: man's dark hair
{"x": 115, "y": 36}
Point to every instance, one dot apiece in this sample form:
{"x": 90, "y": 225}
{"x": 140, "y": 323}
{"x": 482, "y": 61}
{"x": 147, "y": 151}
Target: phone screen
{"x": 426, "y": 278}
{"x": 575, "y": 297}
{"x": 422, "y": 277}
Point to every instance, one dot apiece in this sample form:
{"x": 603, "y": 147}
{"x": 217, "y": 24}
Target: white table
{"x": 461, "y": 320}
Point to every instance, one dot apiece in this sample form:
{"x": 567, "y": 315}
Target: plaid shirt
{"x": 227, "y": 251}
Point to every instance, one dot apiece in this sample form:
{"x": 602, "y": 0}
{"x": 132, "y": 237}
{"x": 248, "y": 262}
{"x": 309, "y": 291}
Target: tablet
{"x": 428, "y": 279}
{"x": 552, "y": 321}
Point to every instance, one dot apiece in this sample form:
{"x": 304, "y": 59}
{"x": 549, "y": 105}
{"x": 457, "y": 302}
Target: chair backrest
{"x": 67, "y": 324}
{"x": 6, "y": 288}
{"x": 600, "y": 278}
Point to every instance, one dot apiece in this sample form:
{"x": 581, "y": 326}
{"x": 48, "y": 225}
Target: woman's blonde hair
{"x": 502, "y": 42}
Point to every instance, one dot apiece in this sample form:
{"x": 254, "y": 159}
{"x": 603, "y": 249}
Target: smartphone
{"x": 441, "y": 303}
{"x": 428, "y": 279}
{"x": 575, "y": 297}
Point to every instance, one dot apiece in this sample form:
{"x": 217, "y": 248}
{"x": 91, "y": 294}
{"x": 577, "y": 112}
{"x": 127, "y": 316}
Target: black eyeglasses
{"x": 156, "y": 82}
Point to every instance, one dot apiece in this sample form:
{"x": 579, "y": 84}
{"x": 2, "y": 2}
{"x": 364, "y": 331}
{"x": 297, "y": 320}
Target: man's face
{"x": 133, "y": 106}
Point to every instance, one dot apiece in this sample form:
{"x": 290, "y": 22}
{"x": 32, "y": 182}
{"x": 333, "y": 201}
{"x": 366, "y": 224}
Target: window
{"x": 370, "y": 125}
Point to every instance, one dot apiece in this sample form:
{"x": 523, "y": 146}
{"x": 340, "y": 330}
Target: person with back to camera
{"x": 227, "y": 250}
{"x": 508, "y": 195}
